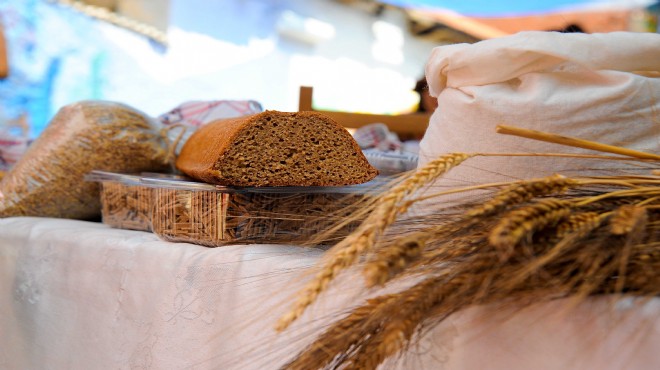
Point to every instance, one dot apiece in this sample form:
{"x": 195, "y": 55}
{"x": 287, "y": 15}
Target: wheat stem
{"x": 645, "y": 191}
{"x": 566, "y": 155}
{"x": 573, "y": 142}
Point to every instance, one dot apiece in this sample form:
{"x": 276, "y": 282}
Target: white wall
{"x": 230, "y": 49}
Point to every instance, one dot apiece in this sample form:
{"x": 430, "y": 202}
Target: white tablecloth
{"x": 80, "y": 295}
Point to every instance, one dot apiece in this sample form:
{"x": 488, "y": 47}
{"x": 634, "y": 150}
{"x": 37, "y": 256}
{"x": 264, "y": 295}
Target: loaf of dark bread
{"x": 275, "y": 149}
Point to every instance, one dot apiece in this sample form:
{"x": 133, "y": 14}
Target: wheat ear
{"x": 346, "y": 252}
{"x": 627, "y": 218}
{"x": 522, "y": 192}
{"x": 346, "y": 332}
{"x": 407, "y": 313}
{"x": 375, "y": 330}
{"x": 579, "y": 223}
{"x": 523, "y": 222}
{"x": 396, "y": 256}
{"x": 575, "y": 228}
{"x": 446, "y": 291}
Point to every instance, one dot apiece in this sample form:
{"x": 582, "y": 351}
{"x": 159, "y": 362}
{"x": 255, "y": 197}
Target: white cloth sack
{"x": 598, "y": 87}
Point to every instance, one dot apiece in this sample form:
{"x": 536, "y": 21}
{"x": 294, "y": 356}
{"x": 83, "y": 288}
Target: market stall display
{"x": 550, "y": 228}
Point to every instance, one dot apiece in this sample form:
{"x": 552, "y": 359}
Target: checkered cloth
{"x": 13, "y": 143}
{"x": 198, "y": 113}
{"x": 378, "y": 136}
{"x": 194, "y": 114}
{"x": 11, "y": 148}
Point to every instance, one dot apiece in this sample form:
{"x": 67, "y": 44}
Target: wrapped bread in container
{"x": 200, "y": 213}
{"x": 48, "y": 180}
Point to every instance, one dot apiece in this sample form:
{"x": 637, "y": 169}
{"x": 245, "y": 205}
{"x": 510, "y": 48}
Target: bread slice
{"x": 275, "y": 149}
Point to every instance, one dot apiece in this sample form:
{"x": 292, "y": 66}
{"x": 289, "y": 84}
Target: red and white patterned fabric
{"x": 194, "y": 114}
{"x": 199, "y": 113}
{"x": 12, "y": 146}
{"x": 378, "y": 136}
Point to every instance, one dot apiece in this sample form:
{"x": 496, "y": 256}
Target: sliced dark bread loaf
{"x": 275, "y": 149}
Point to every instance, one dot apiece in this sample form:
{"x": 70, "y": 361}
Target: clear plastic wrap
{"x": 125, "y": 203}
{"x": 391, "y": 163}
{"x": 185, "y": 211}
{"x": 91, "y": 135}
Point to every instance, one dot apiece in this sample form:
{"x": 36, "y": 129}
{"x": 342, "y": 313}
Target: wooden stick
{"x": 574, "y": 142}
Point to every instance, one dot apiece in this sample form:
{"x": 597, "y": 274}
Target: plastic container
{"x": 125, "y": 202}
{"x": 391, "y": 163}
{"x": 186, "y": 211}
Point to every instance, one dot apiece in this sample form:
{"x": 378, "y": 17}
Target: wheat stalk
{"x": 346, "y": 252}
{"x": 346, "y": 332}
{"x": 553, "y": 248}
{"x": 395, "y": 257}
{"x": 573, "y": 142}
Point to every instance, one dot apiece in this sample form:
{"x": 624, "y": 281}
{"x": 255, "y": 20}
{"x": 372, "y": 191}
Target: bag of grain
{"x": 599, "y": 87}
{"x": 48, "y": 180}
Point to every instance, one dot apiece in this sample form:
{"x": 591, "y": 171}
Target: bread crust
{"x": 207, "y": 145}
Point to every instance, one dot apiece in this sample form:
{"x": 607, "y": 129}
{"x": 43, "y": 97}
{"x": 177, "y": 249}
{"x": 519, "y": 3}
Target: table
{"x": 81, "y": 295}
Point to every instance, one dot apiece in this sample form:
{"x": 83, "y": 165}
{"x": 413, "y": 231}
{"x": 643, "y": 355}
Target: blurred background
{"x": 359, "y": 55}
